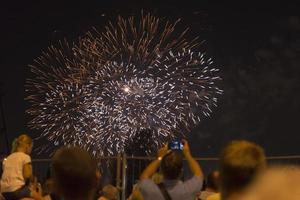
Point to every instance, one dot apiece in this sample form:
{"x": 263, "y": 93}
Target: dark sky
{"x": 256, "y": 46}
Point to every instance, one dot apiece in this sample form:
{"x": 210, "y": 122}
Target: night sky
{"x": 256, "y": 46}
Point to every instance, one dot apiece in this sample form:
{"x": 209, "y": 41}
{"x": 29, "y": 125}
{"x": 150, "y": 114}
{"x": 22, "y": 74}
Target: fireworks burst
{"x": 136, "y": 75}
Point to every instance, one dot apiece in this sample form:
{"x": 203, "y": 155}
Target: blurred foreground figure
{"x": 278, "y": 183}
{"x": 75, "y": 174}
{"x": 240, "y": 163}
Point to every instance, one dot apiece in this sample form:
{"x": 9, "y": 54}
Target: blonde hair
{"x": 22, "y": 141}
{"x": 14, "y": 146}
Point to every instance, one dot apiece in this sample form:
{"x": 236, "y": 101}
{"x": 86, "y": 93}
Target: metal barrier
{"x": 124, "y": 171}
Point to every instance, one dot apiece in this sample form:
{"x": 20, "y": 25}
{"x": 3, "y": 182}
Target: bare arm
{"x": 27, "y": 174}
{"x": 154, "y": 165}
{"x": 193, "y": 164}
{"x": 27, "y": 171}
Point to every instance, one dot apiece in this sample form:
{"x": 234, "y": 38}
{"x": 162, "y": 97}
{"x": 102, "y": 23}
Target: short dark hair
{"x": 172, "y": 165}
{"x": 240, "y": 162}
{"x": 74, "y": 172}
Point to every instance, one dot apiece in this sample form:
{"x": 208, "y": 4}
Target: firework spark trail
{"x": 135, "y": 75}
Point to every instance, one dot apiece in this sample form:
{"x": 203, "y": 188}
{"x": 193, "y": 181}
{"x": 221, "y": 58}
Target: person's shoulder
{"x": 193, "y": 185}
{"x": 205, "y": 194}
{"x": 194, "y": 179}
{"x": 216, "y": 196}
{"x": 102, "y": 198}
{"x": 22, "y": 156}
{"x": 198, "y": 178}
{"x": 149, "y": 190}
{"x": 47, "y": 197}
{"x": 13, "y": 156}
{"x": 145, "y": 182}
{"x": 147, "y": 185}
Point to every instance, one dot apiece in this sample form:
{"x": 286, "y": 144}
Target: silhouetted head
{"x": 240, "y": 162}
{"x": 213, "y": 180}
{"x": 22, "y": 143}
{"x": 172, "y": 165}
{"x": 74, "y": 173}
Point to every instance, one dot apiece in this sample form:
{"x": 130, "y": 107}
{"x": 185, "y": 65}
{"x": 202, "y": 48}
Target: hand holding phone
{"x": 186, "y": 148}
{"x": 176, "y": 145}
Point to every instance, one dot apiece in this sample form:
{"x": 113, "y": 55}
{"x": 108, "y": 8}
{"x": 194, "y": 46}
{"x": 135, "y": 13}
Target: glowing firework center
{"x": 102, "y": 92}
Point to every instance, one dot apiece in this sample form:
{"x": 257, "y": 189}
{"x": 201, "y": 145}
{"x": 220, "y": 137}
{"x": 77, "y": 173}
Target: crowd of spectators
{"x": 243, "y": 174}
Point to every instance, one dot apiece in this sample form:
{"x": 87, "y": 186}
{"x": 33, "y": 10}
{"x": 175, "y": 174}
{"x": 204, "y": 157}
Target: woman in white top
{"x": 17, "y": 170}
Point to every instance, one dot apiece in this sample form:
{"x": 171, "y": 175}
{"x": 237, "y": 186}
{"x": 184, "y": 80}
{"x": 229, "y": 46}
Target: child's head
{"x": 23, "y": 143}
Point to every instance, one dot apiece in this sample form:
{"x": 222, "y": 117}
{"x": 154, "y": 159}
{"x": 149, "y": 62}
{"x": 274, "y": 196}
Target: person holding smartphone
{"x": 171, "y": 164}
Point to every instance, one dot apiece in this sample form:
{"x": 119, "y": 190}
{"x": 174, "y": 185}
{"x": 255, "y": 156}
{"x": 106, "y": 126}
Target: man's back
{"x": 177, "y": 189}
{"x": 171, "y": 163}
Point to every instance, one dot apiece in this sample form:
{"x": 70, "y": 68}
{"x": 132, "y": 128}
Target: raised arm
{"x": 154, "y": 165}
{"x": 193, "y": 164}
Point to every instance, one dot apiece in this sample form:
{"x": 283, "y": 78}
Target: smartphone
{"x": 176, "y": 145}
